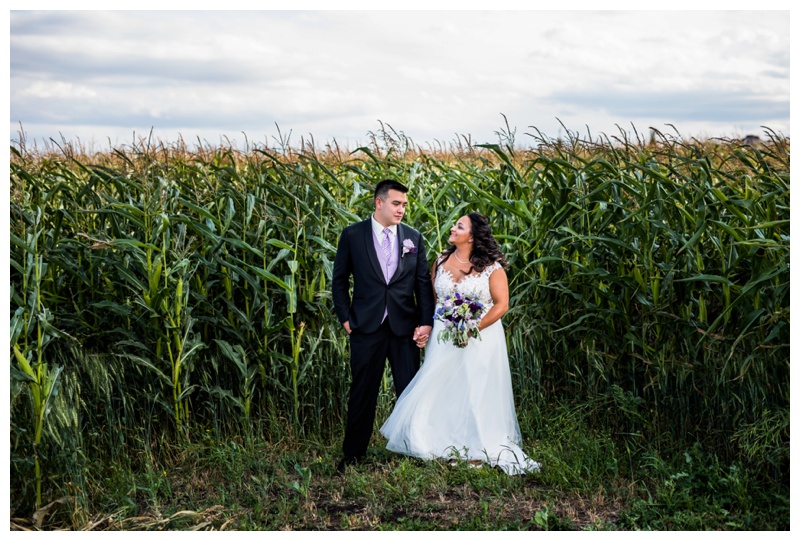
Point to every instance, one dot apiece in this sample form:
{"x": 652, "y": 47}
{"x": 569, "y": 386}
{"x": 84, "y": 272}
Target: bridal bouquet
{"x": 461, "y": 317}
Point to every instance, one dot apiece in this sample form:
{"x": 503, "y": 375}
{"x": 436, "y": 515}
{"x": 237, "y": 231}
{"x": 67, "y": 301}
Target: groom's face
{"x": 390, "y": 211}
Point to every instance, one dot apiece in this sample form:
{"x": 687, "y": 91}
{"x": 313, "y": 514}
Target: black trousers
{"x": 368, "y": 354}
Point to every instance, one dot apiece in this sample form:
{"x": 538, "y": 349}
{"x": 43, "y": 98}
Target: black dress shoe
{"x": 346, "y": 461}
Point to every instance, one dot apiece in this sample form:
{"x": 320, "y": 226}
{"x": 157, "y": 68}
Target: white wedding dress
{"x": 460, "y": 404}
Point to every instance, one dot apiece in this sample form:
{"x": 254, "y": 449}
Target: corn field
{"x": 157, "y": 291}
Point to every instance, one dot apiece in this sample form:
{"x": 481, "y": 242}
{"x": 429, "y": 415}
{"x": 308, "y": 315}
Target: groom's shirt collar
{"x": 378, "y": 228}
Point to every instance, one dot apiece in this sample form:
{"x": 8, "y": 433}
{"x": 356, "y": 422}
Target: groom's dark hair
{"x": 383, "y": 187}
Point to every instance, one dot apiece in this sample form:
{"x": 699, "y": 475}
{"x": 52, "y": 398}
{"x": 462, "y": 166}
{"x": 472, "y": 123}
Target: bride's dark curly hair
{"x": 485, "y": 250}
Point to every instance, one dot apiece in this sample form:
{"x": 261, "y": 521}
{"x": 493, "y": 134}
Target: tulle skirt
{"x": 460, "y": 405}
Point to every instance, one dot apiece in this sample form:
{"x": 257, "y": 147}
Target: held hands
{"x": 421, "y": 335}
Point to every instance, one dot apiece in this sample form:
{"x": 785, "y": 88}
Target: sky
{"x": 105, "y": 78}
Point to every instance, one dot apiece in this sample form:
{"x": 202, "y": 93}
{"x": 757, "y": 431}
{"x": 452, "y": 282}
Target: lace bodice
{"x": 475, "y": 286}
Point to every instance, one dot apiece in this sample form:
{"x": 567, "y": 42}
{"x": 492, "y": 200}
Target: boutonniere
{"x": 408, "y": 247}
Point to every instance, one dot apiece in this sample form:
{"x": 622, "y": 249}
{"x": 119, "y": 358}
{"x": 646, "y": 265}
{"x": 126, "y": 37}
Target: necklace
{"x": 459, "y": 259}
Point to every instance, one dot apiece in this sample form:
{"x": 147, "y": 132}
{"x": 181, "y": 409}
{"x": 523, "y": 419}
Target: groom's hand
{"x": 346, "y": 326}
{"x": 421, "y": 335}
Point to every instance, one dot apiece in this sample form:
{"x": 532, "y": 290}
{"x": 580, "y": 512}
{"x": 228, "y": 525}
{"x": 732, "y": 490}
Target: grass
{"x": 587, "y": 483}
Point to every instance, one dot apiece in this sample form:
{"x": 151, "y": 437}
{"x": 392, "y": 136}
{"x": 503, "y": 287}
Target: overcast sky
{"x": 103, "y": 76}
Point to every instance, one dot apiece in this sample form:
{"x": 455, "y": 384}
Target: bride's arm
{"x": 498, "y": 287}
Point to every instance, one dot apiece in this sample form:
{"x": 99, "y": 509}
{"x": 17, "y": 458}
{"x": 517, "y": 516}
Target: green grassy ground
{"x": 588, "y": 482}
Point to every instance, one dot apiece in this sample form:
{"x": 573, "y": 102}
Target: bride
{"x": 460, "y": 404}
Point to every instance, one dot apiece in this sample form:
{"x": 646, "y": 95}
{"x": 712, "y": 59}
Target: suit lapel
{"x": 369, "y": 246}
{"x": 399, "y": 250}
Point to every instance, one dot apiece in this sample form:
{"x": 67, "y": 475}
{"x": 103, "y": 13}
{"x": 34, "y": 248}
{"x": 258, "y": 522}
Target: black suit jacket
{"x": 408, "y": 295}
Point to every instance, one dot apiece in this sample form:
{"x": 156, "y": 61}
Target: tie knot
{"x": 386, "y": 231}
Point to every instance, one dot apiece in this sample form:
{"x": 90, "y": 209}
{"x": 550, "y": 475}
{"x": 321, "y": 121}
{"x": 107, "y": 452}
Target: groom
{"x": 390, "y": 314}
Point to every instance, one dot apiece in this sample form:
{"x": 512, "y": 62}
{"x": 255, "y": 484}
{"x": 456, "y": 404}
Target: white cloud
{"x": 430, "y": 74}
{"x": 58, "y": 89}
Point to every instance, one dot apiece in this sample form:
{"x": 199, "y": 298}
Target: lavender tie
{"x": 387, "y": 244}
{"x": 387, "y": 250}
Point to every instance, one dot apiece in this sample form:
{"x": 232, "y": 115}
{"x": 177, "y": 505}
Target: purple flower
{"x": 461, "y": 317}
{"x": 408, "y": 247}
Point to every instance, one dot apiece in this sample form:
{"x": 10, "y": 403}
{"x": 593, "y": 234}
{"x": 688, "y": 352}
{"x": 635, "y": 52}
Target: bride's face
{"x": 461, "y": 232}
